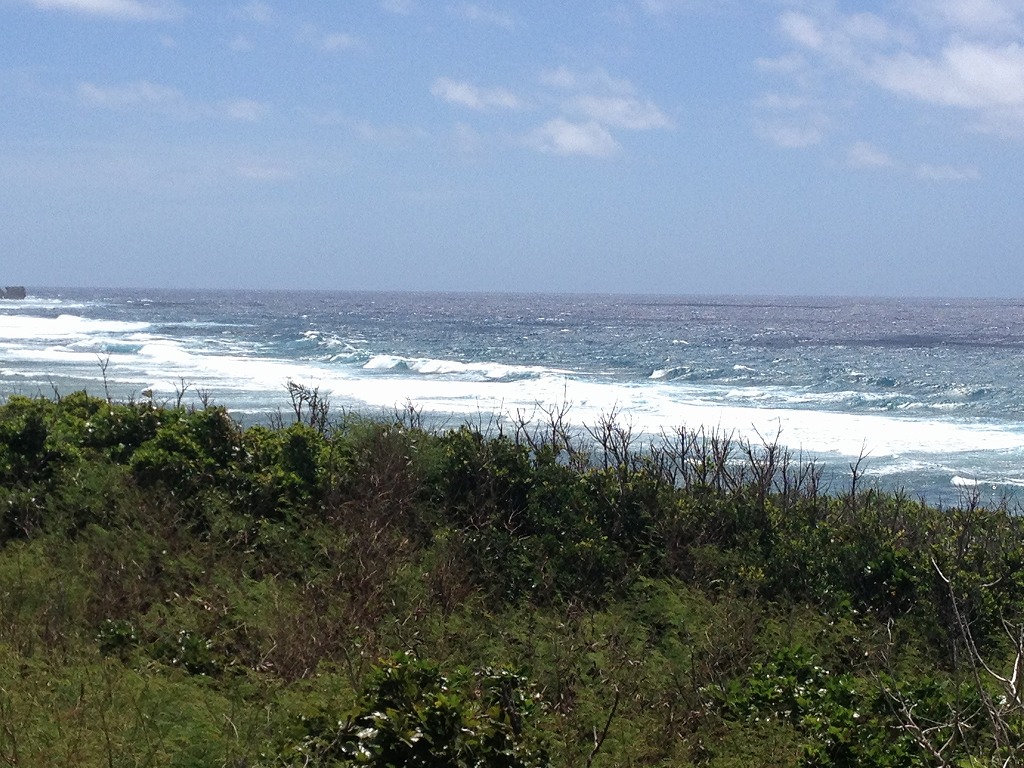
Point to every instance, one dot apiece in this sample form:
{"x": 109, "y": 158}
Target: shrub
{"x": 411, "y": 715}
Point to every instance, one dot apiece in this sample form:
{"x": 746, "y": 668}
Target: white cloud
{"x": 620, "y": 112}
{"x": 791, "y": 120}
{"x": 963, "y": 75}
{"x": 802, "y": 30}
{"x": 592, "y": 105}
{"x": 132, "y": 10}
{"x": 984, "y": 81}
{"x": 240, "y": 44}
{"x": 947, "y": 173}
{"x": 995, "y": 18}
{"x": 662, "y": 7}
{"x": 259, "y": 12}
{"x": 243, "y": 110}
{"x": 585, "y": 110}
{"x": 152, "y": 97}
{"x": 966, "y": 55}
{"x": 865, "y": 155}
{"x": 467, "y": 139}
{"x": 338, "y": 42}
{"x": 562, "y": 137}
{"x": 782, "y": 102}
{"x": 474, "y": 97}
{"x": 843, "y": 40}
{"x": 792, "y": 135}
{"x": 562, "y": 77}
{"x": 330, "y": 42}
{"x": 786, "y": 65}
{"x": 400, "y": 7}
{"x": 138, "y": 94}
{"x": 384, "y": 134}
{"x": 474, "y": 12}
{"x": 598, "y": 80}
{"x": 265, "y": 172}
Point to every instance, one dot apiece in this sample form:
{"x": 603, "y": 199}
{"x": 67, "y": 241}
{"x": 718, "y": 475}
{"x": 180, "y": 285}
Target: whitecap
{"x": 439, "y": 367}
{"x": 383, "y": 362}
{"x": 30, "y": 328}
{"x": 163, "y": 352}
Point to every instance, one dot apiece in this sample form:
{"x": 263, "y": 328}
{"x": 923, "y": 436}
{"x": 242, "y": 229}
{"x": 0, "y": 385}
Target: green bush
{"x": 412, "y": 715}
{"x": 177, "y": 590}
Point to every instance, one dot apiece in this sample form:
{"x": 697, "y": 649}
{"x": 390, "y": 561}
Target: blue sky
{"x": 669, "y": 146}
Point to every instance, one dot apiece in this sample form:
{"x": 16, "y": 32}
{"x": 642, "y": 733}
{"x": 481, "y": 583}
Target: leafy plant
{"x": 412, "y": 715}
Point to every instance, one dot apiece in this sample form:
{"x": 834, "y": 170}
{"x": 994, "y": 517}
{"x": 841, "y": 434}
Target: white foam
{"x": 36, "y": 302}
{"x": 750, "y": 393}
{"x": 167, "y": 353}
{"x": 31, "y": 346}
{"x": 652, "y": 408}
{"x": 29, "y": 328}
{"x": 435, "y": 367}
{"x": 667, "y": 373}
{"x": 383, "y": 362}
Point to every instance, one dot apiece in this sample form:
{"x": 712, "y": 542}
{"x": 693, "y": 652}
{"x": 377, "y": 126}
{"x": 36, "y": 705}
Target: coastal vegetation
{"x": 336, "y": 590}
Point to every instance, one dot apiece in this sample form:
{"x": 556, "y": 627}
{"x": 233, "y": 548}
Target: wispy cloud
{"x": 386, "y": 134}
{"x": 243, "y": 110}
{"x": 382, "y": 134}
{"x": 562, "y": 137}
{"x": 789, "y": 64}
{"x": 468, "y": 139}
{"x": 472, "y": 96}
{"x": 264, "y": 172}
{"x": 401, "y": 7}
{"x": 132, "y": 95}
{"x": 305, "y": 33}
{"x": 240, "y": 44}
{"x": 792, "y": 134}
{"x": 338, "y": 41}
{"x": 476, "y": 13}
{"x": 947, "y": 172}
{"x": 966, "y": 55}
{"x": 866, "y": 155}
{"x": 152, "y": 97}
{"x": 328, "y": 42}
{"x": 990, "y": 18}
{"x": 585, "y": 110}
{"x": 130, "y": 10}
{"x": 620, "y": 112}
{"x": 790, "y": 120}
{"x": 662, "y": 7}
{"x": 967, "y": 75}
{"x": 594, "y": 80}
{"x": 258, "y": 12}
{"x": 593, "y": 104}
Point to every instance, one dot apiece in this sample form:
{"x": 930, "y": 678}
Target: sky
{"x": 631, "y": 146}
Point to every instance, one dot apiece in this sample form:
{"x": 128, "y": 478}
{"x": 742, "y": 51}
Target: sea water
{"x": 928, "y": 394}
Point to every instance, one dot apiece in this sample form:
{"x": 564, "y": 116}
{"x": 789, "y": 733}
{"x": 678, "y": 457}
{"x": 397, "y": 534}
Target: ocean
{"x": 928, "y": 393}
